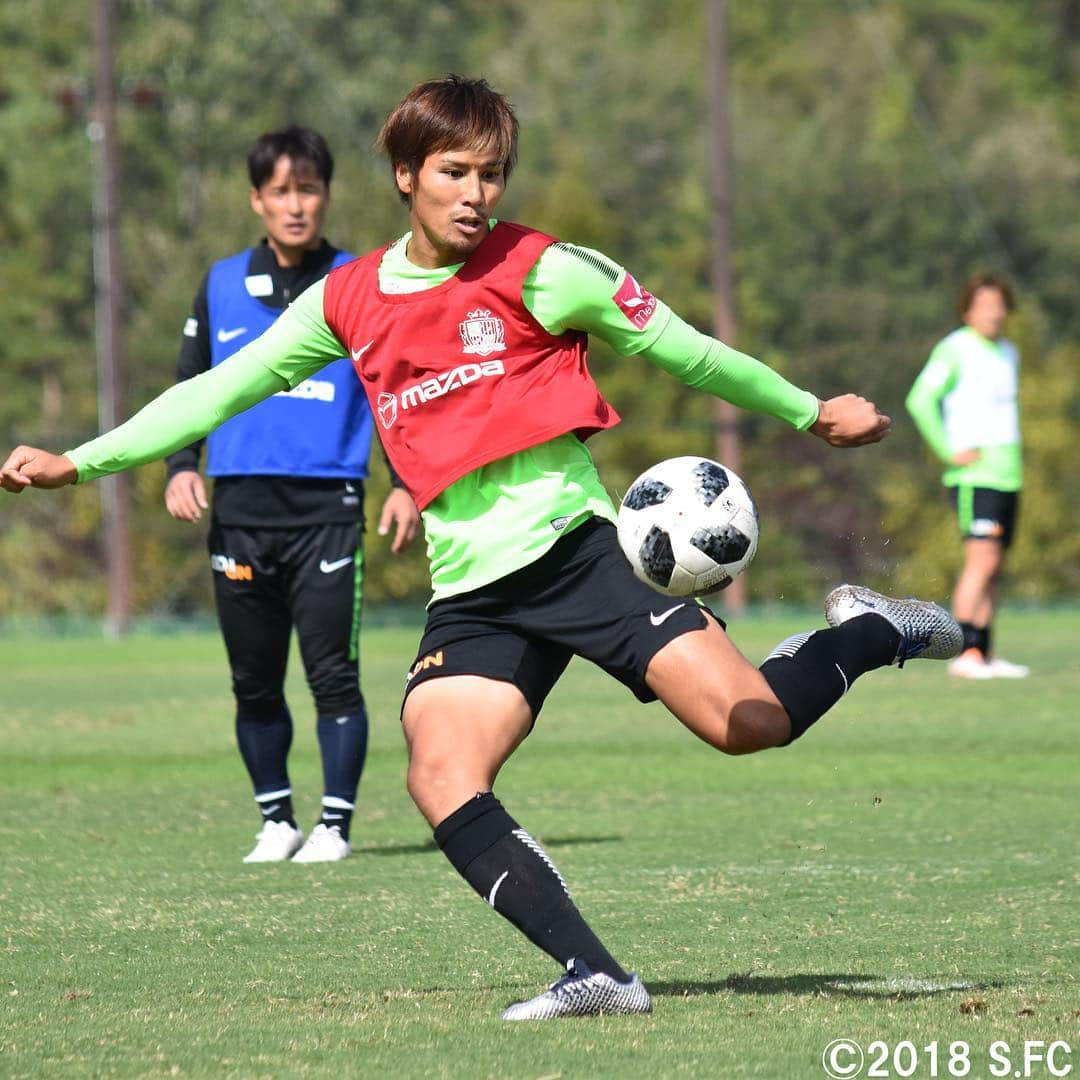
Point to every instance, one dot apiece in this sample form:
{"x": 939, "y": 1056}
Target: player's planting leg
{"x": 460, "y": 730}
{"x": 515, "y": 876}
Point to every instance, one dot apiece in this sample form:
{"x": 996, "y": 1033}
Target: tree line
{"x": 883, "y": 151}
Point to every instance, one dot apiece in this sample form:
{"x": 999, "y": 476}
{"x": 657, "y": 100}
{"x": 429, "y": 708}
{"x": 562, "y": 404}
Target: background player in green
{"x": 525, "y": 563}
{"x": 964, "y": 403}
{"x": 288, "y": 507}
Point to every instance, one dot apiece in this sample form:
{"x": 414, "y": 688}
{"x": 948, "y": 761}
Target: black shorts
{"x": 268, "y": 581}
{"x": 580, "y": 598}
{"x": 985, "y": 513}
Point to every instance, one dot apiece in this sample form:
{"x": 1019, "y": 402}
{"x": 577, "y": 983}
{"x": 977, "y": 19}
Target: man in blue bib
{"x": 286, "y": 529}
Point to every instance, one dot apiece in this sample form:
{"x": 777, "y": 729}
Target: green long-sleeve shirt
{"x": 965, "y": 398}
{"x": 499, "y": 517}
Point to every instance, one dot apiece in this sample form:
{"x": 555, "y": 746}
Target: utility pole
{"x": 725, "y": 415}
{"x": 108, "y": 313}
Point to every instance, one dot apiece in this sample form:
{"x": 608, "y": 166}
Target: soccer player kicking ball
{"x": 469, "y": 336}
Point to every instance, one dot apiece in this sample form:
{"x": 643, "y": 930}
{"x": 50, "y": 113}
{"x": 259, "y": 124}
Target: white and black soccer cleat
{"x": 580, "y": 992}
{"x": 927, "y": 631}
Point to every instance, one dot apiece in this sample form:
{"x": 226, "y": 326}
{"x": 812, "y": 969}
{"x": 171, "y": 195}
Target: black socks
{"x": 276, "y": 807}
{"x": 976, "y": 637}
{"x": 264, "y": 736}
{"x": 513, "y": 874}
{"x": 809, "y": 673}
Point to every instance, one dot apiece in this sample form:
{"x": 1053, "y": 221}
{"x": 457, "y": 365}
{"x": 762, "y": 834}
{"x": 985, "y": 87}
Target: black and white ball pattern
{"x": 689, "y": 526}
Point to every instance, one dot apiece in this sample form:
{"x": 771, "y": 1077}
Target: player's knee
{"x": 255, "y": 699}
{"x": 335, "y": 688}
{"x": 750, "y": 726}
{"x": 341, "y": 701}
{"x": 430, "y": 766}
{"x": 435, "y": 786}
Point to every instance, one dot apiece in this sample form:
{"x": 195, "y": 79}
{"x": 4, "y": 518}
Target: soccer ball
{"x": 689, "y": 526}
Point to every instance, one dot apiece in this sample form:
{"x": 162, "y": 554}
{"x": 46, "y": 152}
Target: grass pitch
{"x": 908, "y": 871}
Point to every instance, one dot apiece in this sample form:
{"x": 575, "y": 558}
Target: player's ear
{"x": 405, "y": 178}
{"x": 256, "y": 201}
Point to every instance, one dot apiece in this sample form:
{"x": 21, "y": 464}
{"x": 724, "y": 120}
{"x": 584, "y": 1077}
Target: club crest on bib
{"x": 387, "y": 409}
{"x": 482, "y": 333}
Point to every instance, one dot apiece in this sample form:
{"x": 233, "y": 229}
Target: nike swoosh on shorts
{"x": 659, "y": 620}
{"x": 337, "y": 564}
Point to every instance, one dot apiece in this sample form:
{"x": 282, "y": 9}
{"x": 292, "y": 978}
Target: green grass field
{"x": 908, "y": 871}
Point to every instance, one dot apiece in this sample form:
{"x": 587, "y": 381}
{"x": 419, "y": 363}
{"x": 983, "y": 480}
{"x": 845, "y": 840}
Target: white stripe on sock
{"x": 790, "y": 646}
{"x": 530, "y": 843}
{"x": 847, "y": 685}
{"x": 269, "y": 796}
{"x": 495, "y": 887}
{"x": 337, "y": 804}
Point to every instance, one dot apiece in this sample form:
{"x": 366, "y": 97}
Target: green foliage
{"x": 882, "y": 152}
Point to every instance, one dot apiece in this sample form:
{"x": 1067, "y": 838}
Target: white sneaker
{"x": 970, "y": 665}
{"x": 276, "y": 842}
{"x": 1002, "y": 669}
{"x": 581, "y": 993}
{"x": 926, "y": 630}
{"x": 323, "y": 845}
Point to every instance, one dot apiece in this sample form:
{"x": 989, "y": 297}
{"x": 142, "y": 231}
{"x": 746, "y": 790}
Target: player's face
{"x": 987, "y": 312}
{"x": 450, "y": 200}
{"x": 292, "y": 204}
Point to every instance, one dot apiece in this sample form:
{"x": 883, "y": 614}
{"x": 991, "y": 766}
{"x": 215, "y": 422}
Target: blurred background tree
{"x": 883, "y": 152}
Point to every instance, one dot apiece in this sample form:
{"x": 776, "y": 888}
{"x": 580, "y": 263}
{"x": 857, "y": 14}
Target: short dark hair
{"x": 447, "y": 113}
{"x": 298, "y": 144}
{"x": 984, "y": 281}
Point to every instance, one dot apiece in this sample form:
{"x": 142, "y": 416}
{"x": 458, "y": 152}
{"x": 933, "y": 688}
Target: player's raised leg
{"x": 717, "y": 693}
{"x": 459, "y": 730}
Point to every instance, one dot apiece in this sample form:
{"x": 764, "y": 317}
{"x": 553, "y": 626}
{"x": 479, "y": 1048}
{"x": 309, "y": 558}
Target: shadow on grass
{"x": 869, "y": 987}
{"x": 548, "y": 842}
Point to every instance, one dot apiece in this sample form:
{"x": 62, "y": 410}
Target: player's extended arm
{"x": 572, "y": 287}
{"x": 183, "y": 414}
{"x": 924, "y": 400}
{"x": 707, "y": 364}
{"x": 296, "y": 346}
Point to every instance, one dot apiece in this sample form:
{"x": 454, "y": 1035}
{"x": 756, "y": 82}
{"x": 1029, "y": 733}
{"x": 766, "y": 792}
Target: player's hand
{"x": 850, "y": 420}
{"x": 27, "y": 466}
{"x": 400, "y": 510}
{"x": 185, "y": 496}
{"x": 966, "y": 457}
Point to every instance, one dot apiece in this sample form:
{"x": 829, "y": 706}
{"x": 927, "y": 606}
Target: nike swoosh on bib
{"x": 337, "y": 564}
{"x": 357, "y": 353}
{"x": 225, "y": 336}
{"x": 659, "y": 620}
